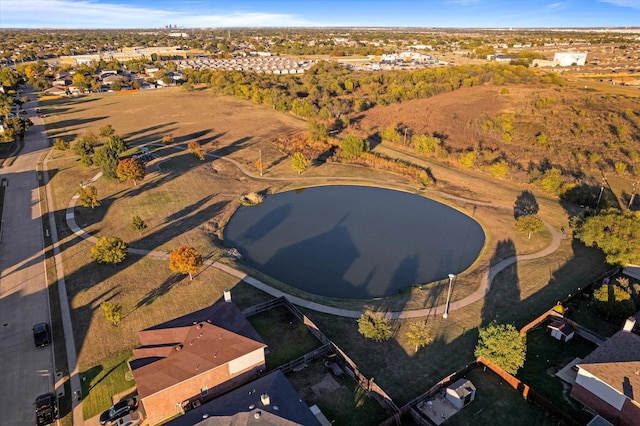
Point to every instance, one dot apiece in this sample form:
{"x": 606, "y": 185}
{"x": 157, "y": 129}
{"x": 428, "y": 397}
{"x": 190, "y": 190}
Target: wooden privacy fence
{"x": 328, "y": 346}
{"x": 529, "y": 394}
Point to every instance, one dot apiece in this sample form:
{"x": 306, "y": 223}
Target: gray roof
{"x": 462, "y": 387}
{"x": 244, "y": 406}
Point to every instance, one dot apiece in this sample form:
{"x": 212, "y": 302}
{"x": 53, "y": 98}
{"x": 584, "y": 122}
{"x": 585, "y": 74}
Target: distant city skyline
{"x": 319, "y": 13}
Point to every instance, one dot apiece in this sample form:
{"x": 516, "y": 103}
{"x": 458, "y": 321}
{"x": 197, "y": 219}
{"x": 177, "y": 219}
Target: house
{"x": 112, "y": 78}
{"x": 461, "y": 393}
{"x": 56, "y": 91}
{"x": 608, "y": 379}
{"x": 192, "y": 359}
{"x": 505, "y": 58}
{"x": 560, "y": 329}
{"x": 270, "y": 400}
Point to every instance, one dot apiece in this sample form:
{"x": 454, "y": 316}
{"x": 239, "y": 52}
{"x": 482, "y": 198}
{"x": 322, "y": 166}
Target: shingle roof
{"x": 617, "y": 363}
{"x": 244, "y": 406}
{"x": 177, "y": 350}
{"x": 462, "y": 387}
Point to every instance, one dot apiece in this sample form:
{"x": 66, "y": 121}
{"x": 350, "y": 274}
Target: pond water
{"x": 354, "y": 241}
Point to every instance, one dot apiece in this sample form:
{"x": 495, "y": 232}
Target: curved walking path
{"x": 480, "y": 293}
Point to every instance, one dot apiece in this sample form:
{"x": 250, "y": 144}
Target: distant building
{"x": 567, "y": 59}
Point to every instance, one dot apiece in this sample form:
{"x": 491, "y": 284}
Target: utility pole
{"x": 260, "y": 161}
{"x": 633, "y": 194}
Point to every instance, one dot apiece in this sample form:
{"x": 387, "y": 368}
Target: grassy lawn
{"x": 497, "y": 403}
{"x": 341, "y": 400}
{"x": 286, "y": 337}
{"x": 545, "y": 357}
{"x": 187, "y": 201}
{"x": 102, "y": 381}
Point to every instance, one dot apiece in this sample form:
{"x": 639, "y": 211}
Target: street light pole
{"x": 446, "y": 307}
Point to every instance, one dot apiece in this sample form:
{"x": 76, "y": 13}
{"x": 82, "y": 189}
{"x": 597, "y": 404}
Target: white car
{"x": 132, "y": 419}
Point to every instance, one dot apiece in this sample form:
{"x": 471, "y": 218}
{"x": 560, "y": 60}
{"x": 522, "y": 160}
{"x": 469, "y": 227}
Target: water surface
{"x": 354, "y": 241}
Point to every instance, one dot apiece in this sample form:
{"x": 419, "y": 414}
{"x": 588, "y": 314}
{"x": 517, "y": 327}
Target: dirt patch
{"x": 325, "y": 386}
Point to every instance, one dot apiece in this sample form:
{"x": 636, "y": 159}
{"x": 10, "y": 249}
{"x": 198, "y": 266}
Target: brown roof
{"x": 562, "y": 326}
{"x": 617, "y": 363}
{"x": 185, "y": 347}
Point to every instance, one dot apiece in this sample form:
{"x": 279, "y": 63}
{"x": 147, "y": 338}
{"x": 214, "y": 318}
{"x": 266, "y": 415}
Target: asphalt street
{"x": 25, "y": 371}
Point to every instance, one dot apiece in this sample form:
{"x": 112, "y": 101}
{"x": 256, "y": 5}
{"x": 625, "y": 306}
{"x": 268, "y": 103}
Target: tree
{"x": 419, "y": 335}
{"x": 374, "y": 326}
{"x": 317, "y": 131}
{"x": 353, "y": 146}
{"x": 613, "y": 301}
{"x": 61, "y": 145}
{"x": 112, "y": 312}
{"x": 116, "y": 143}
{"x": 84, "y": 146}
{"x": 88, "y": 196}
{"x": 130, "y": 169}
{"x": 107, "y": 159}
{"x": 196, "y": 149}
{"x": 107, "y": 130}
{"x": 530, "y": 224}
{"x": 138, "y": 225}
{"x": 19, "y": 125}
{"x": 391, "y": 134}
{"x": 185, "y": 260}
{"x": 299, "y": 162}
{"x": 503, "y": 345}
{"x": 109, "y": 250}
{"x": 425, "y": 144}
{"x": 615, "y": 232}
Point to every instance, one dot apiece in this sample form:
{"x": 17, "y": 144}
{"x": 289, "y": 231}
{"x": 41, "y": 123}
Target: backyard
{"x": 545, "y": 357}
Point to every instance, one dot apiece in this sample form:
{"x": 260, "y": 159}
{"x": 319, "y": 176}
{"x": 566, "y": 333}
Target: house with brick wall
{"x": 608, "y": 380}
{"x": 190, "y": 360}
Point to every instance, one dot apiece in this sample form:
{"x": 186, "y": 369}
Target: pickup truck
{"x": 46, "y": 409}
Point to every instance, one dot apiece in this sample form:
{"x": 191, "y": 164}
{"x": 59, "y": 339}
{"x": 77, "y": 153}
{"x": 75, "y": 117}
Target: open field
{"x": 187, "y": 201}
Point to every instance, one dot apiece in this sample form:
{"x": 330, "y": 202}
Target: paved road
{"x": 25, "y": 371}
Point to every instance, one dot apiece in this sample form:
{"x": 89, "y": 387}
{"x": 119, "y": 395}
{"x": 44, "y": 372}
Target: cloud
{"x": 95, "y": 14}
{"x": 556, "y": 6}
{"x": 634, "y": 4}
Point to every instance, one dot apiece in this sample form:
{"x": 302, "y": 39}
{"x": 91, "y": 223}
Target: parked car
{"x": 118, "y": 410}
{"x": 41, "y": 334}
{"x": 46, "y": 409}
{"x": 132, "y": 419}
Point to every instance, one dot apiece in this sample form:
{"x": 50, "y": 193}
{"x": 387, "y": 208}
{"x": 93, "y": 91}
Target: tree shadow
{"x": 525, "y": 205}
{"x": 159, "y": 291}
{"x": 504, "y": 291}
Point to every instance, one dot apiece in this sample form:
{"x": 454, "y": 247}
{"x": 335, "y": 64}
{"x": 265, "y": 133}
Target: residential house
{"x": 192, "y": 359}
{"x": 270, "y": 400}
{"x": 608, "y": 379}
{"x": 56, "y": 91}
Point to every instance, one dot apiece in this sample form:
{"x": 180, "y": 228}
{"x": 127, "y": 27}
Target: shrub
{"x": 61, "y": 144}
{"x": 613, "y": 301}
{"x": 374, "y": 326}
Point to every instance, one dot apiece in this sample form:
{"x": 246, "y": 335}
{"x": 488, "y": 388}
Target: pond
{"x": 354, "y": 241}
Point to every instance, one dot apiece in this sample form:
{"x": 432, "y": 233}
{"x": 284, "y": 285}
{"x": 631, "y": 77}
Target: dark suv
{"x": 118, "y": 410}
{"x": 46, "y": 409}
{"x": 41, "y": 334}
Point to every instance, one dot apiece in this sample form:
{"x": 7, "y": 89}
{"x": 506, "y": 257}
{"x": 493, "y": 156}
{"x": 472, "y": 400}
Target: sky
{"x": 319, "y": 13}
